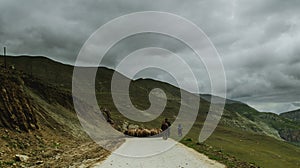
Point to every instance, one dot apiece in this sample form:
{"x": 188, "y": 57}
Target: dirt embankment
{"x": 16, "y": 108}
{"x": 38, "y": 126}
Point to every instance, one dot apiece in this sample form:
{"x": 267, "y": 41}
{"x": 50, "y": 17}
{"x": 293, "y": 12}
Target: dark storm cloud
{"x": 36, "y": 27}
{"x": 258, "y": 40}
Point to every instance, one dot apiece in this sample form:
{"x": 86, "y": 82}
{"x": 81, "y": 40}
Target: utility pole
{"x": 4, "y": 57}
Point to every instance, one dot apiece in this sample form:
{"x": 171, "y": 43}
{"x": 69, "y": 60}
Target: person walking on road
{"x": 179, "y": 130}
{"x": 169, "y": 125}
{"x": 164, "y": 127}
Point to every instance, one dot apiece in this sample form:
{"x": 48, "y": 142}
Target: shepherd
{"x": 165, "y": 128}
{"x": 179, "y": 130}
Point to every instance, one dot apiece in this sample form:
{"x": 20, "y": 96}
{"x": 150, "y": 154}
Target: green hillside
{"x": 244, "y": 137}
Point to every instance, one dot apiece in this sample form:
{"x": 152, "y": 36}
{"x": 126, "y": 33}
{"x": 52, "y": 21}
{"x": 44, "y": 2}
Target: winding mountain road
{"x": 156, "y": 152}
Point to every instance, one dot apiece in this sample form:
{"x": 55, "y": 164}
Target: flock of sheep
{"x": 135, "y": 132}
{"x": 139, "y": 132}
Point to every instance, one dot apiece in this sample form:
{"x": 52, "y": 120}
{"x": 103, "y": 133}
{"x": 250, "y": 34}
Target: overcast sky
{"x": 258, "y": 40}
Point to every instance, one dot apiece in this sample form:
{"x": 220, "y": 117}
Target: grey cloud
{"x": 296, "y": 104}
{"x": 258, "y": 40}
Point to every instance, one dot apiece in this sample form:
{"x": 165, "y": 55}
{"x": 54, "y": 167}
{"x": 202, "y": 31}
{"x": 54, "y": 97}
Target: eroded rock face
{"x": 16, "y": 108}
{"x": 290, "y": 135}
{"x": 292, "y": 115}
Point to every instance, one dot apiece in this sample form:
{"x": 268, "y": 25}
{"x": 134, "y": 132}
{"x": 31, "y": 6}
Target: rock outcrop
{"x": 290, "y": 135}
{"x": 16, "y": 108}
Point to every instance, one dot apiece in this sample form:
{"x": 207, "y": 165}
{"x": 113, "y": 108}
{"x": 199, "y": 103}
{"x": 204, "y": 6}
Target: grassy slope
{"x": 244, "y": 145}
{"x": 261, "y": 150}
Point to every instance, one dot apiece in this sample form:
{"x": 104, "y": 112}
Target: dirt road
{"x": 147, "y": 153}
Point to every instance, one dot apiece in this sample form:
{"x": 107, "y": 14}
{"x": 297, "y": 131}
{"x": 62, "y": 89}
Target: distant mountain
{"x": 292, "y": 115}
{"x": 292, "y": 134}
{"x": 217, "y": 99}
{"x": 260, "y": 122}
{"x": 241, "y": 130}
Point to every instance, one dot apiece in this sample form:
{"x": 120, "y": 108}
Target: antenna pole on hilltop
{"x": 4, "y": 54}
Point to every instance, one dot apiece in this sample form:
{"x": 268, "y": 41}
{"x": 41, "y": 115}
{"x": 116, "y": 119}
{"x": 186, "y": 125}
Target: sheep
{"x": 131, "y": 132}
{"x": 143, "y": 132}
{"x": 146, "y": 133}
{"x": 139, "y": 132}
{"x": 154, "y": 131}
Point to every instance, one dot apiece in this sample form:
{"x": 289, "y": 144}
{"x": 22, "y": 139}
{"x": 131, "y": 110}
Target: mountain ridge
{"x": 204, "y": 96}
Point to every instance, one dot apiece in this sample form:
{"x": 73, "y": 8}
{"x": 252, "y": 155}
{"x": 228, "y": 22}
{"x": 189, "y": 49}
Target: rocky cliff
{"x": 16, "y": 107}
